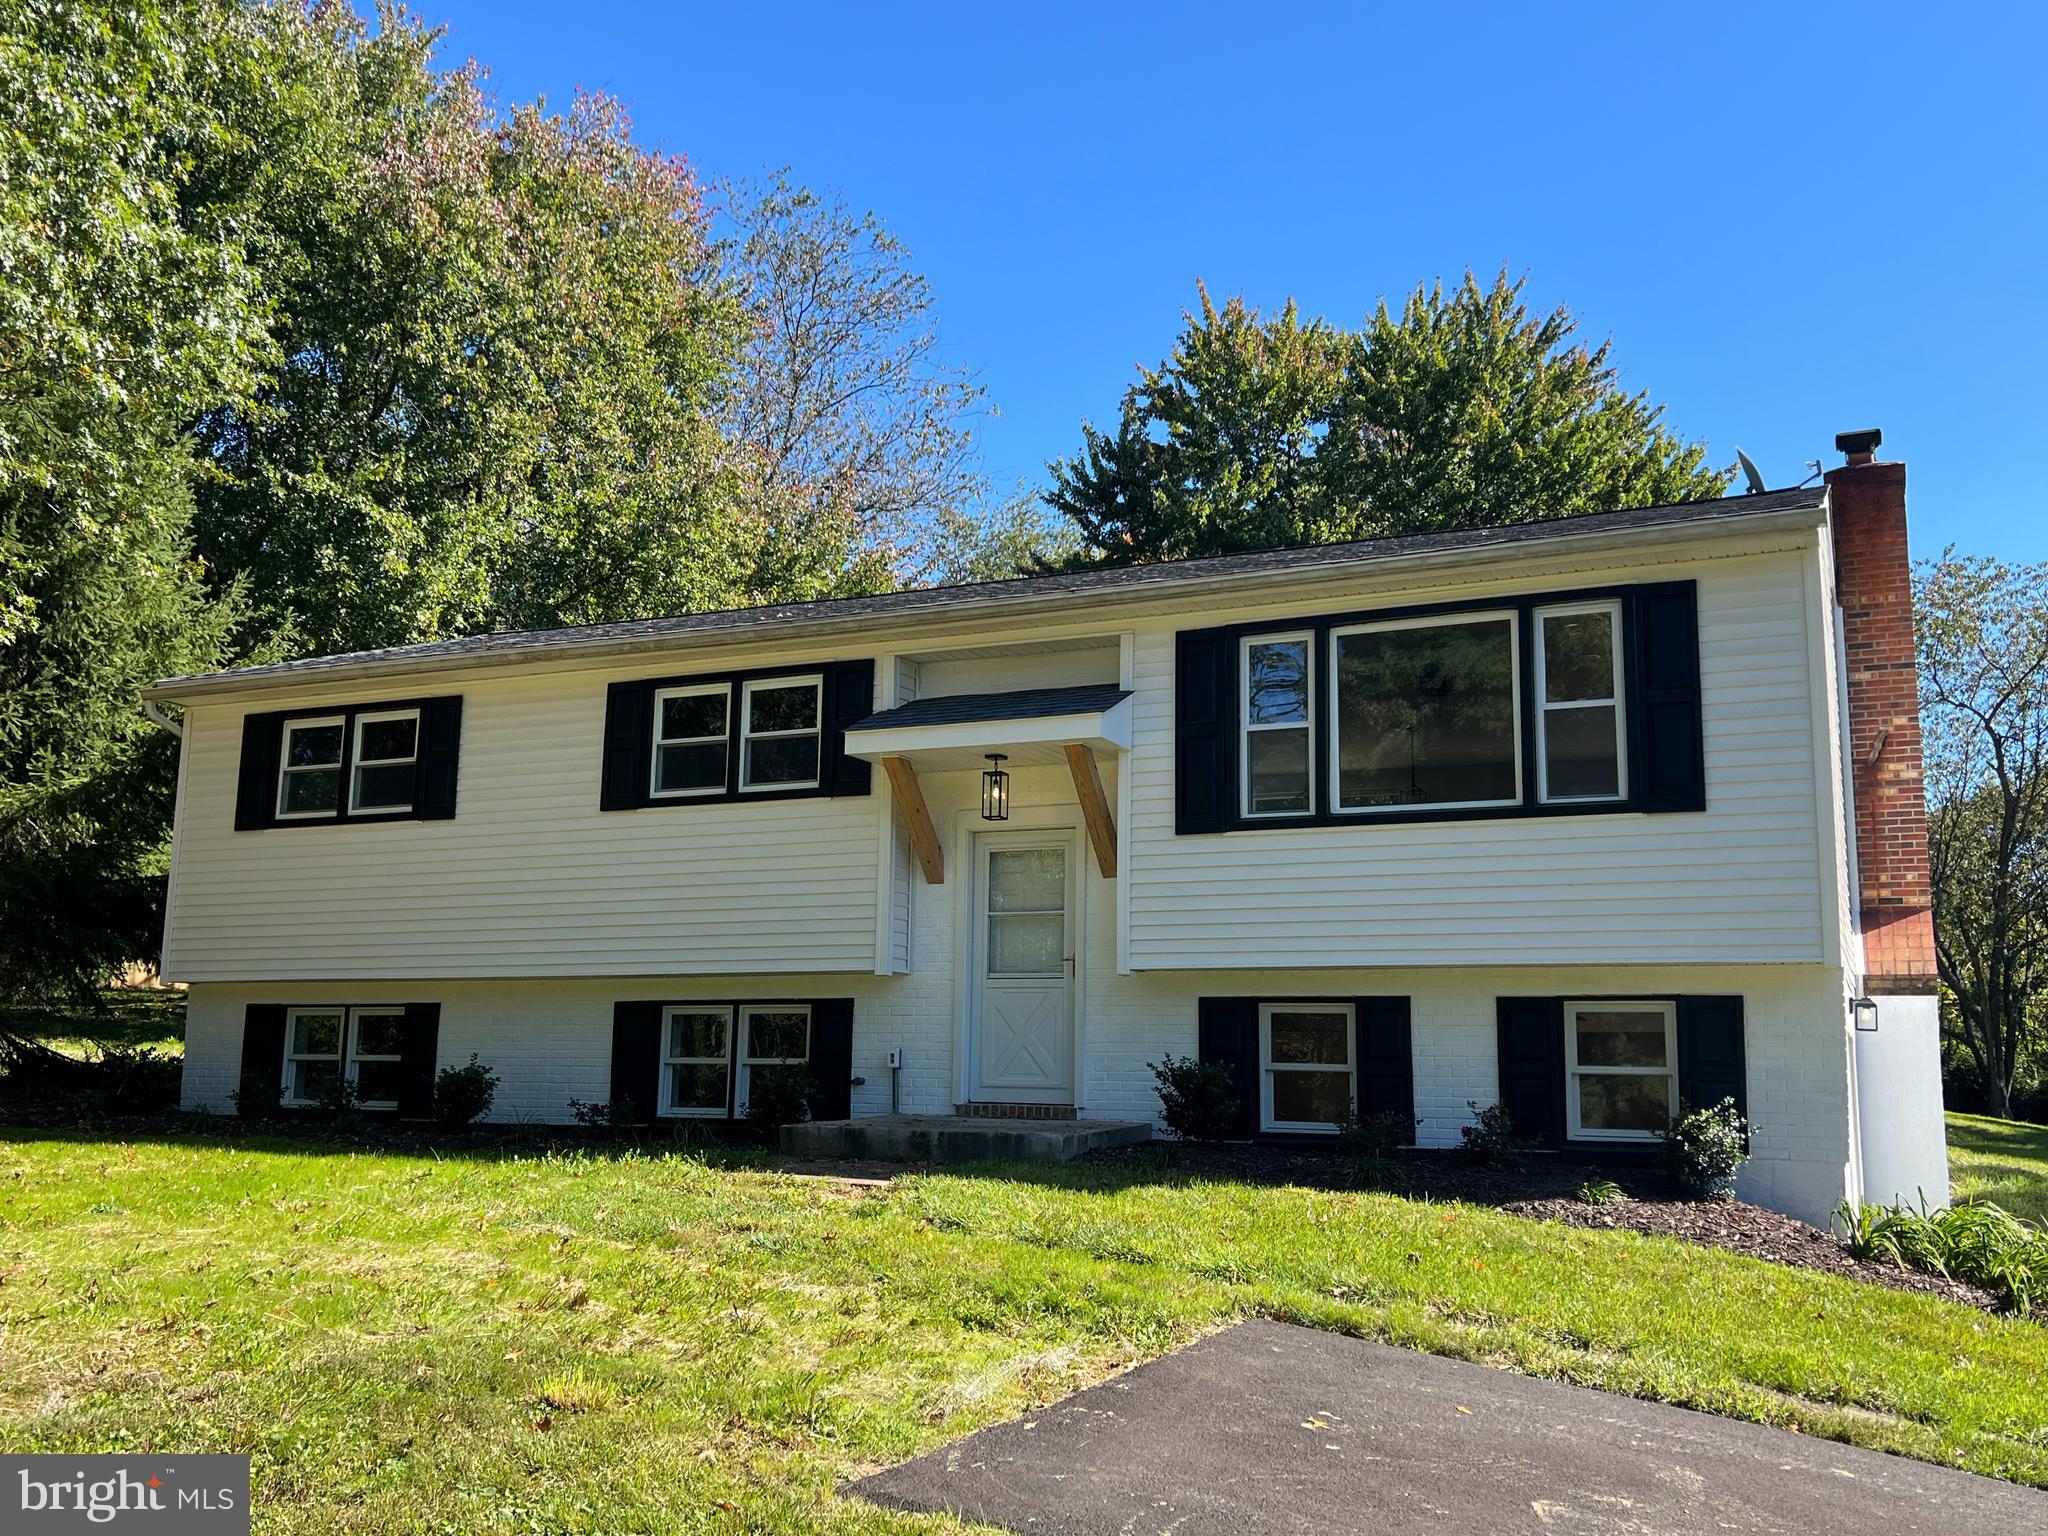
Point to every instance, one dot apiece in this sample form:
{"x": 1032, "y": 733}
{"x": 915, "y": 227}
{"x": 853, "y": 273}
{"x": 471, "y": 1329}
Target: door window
{"x": 1027, "y": 911}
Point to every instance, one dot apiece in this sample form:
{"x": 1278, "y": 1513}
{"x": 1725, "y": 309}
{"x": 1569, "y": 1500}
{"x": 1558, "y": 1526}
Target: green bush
{"x": 1490, "y": 1140}
{"x": 779, "y": 1096}
{"x": 464, "y": 1094}
{"x": 1973, "y": 1240}
{"x": 113, "y": 1080}
{"x": 1196, "y": 1099}
{"x": 1707, "y": 1147}
{"x": 603, "y": 1115}
{"x": 1376, "y": 1137}
{"x": 1598, "y": 1192}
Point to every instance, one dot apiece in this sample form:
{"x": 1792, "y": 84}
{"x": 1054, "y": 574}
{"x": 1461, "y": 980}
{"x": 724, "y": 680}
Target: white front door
{"x": 1022, "y": 1005}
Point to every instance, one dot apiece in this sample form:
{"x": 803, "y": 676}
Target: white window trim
{"x": 285, "y": 1073}
{"x": 1334, "y": 750}
{"x": 816, "y": 683}
{"x": 1574, "y": 1128}
{"x": 285, "y": 769}
{"x": 666, "y": 1092}
{"x": 1307, "y": 640}
{"x": 723, "y": 739}
{"x": 351, "y": 1029}
{"x": 747, "y": 1060}
{"x": 1268, "y": 1068}
{"x": 1544, "y": 706}
{"x": 357, "y": 762}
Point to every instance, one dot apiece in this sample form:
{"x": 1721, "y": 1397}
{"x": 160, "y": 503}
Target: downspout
{"x": 155, "y": 712}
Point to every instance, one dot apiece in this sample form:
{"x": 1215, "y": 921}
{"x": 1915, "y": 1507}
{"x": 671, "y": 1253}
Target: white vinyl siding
{"x": 1741, "y": 881}
{"x": 531, "y": 879}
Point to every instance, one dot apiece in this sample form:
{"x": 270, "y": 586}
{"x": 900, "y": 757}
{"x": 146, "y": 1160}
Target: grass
{"x": 132, "y": 1016}
{"x": 2004, "y": 1161}
{"x": 645, "y": 1342}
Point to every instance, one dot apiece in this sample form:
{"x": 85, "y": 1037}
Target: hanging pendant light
{"x": 995, "y": 789}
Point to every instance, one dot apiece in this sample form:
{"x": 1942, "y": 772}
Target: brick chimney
{"x": 1874, "y": 584}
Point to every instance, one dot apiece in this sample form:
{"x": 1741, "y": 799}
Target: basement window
{"x": 1621, "y": 1061}
{"x": 324, "y": 1047}
{"x": 696, "y": 1060}
{"x": 1307, "y": 1056}
{"x": 776, "y": 1044}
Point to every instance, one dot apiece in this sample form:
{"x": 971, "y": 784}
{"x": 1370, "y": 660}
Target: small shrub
{"x": 464, "y": 1094}
{"x": 1975, "y": 1241}
{"x": 1197, "y": 1100}
{"x": 1490, "y": 1140}
{"x": 1707, "y": 1147}
{"x": 603, "y": 1116}
{"x": 340, "y": 1099}
{"x": 1375, "y": 1136}
{"x": 779, "y": 1096}
{"x": 1598, "y": 1192}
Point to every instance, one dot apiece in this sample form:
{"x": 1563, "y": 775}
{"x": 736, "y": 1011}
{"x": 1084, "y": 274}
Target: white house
{"x": 1592, "y": 816}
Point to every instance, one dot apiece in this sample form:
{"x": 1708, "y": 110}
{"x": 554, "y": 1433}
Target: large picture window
{"x": 1579, "y": 711}
{"x": 1621, "y": 1064}
{"x": 1279, "y": 733}
{"x": 1424, "y": 714}
{"x": 1308, "y": 1065}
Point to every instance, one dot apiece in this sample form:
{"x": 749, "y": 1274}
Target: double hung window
{"x": 1309, "y": 1065}
{"x": 327, "y": 1046}
{"x": 712, "y": 1054}
{"x": 1621, "y": 1064}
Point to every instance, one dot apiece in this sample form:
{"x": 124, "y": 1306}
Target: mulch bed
{"x": 1542, "y": 1190}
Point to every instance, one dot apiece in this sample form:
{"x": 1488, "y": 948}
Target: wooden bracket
{"x": 1094, "y": 807}
{"x": 924, "y": 837}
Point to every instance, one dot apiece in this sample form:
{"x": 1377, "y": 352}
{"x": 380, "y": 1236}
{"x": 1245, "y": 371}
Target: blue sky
{"x": 1791, "y": 220}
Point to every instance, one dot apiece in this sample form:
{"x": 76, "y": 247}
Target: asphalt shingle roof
{"x": 1105, "y": 581}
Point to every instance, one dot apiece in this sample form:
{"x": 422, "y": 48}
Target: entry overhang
{"x": 1030, "y": 726}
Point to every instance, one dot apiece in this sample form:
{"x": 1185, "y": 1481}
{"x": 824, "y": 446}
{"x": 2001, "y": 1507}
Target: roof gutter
{"x": 215, "y": 684}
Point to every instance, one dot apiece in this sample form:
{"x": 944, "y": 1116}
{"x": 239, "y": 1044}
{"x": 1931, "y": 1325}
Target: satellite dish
{"x": 1751, "y": 473}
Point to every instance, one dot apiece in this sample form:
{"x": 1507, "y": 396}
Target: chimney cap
{"x": 1859, "y": 447}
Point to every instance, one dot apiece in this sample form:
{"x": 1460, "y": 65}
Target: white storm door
{"x": 1023, "y": 949}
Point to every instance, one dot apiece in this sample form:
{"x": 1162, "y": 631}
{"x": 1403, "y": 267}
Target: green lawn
{"x": 541, "y": 1343}
{"x": 2001, "y": 1160}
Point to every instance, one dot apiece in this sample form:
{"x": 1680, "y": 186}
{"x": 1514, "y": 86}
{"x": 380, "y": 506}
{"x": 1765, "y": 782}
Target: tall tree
{"x": 1983, "y": 643}
{"x": 1465, "y": 410}
{"x": 494, "y": 348}
{"x": 842, "y": 398}
{"x": 122, "y": 305}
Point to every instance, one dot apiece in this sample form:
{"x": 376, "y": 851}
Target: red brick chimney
{"x": 1874, "y": 584}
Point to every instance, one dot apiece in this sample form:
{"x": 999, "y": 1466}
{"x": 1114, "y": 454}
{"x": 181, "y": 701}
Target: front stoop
{"x": 954, "y": 1139}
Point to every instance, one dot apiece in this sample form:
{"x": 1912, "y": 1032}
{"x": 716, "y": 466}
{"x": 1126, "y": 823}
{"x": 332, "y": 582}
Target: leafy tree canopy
{"x": 1463, "y": 410}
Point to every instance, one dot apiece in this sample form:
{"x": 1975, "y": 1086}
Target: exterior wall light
{"x": 995, "y": 789}
{"x": 1864, "y": 1011}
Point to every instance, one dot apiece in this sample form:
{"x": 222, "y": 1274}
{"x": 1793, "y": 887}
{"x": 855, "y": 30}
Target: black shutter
{"x": 1710, "y": 1059}
{"x": 636, "y": 1059}
{"x": 849, "y": 696}
{"x": 262, "y": 1083}
{"x": 1227, "y": 1035}
{"x": 418, "y": 1060}
{"x": 1669, "y": 769}
{"x": 628, "y": 745}
{"x": 1532, "y": 1067}
{"x": 440, "y": 750}
{"x": 1204, "y": 731}
{"x": 1386, "y": 1061}
{"x": 256, "y": 790}
{"x": 832, "y": 1058}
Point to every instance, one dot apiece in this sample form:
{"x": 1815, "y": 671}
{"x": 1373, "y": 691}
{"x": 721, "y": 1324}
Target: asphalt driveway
{"x": 1268, "y": 1428}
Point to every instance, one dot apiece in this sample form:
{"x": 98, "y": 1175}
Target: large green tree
{"x": 1983, "y": 643}
{"x": 494, "y": 347}
{"x": 1465, "y": 409}
{"x": 121, "y": 304}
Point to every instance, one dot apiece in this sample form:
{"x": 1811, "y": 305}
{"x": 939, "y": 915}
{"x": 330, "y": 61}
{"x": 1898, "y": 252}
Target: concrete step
{"x": 956, "y": 1139}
